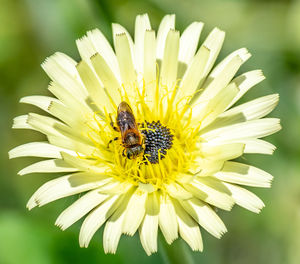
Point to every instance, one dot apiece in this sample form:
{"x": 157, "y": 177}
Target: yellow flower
{"x": 182, "y": 106}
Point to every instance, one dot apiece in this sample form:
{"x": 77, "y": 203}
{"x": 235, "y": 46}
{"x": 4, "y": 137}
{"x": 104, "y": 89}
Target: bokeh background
{"x": 31, "y": 30}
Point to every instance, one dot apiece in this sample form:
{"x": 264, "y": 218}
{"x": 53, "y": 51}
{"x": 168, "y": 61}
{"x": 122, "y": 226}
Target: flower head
{"x": 148, "y": 133}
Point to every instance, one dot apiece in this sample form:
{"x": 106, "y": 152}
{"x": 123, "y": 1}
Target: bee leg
{"x": 123, "y": 153}
{"x": 116, "y": 138}
{"x": 112, "y": 124}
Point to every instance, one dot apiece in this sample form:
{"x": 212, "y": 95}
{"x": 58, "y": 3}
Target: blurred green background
{"x": 31, "y": 30}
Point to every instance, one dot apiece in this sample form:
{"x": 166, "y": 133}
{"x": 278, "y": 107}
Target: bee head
{"x": 134, "y": 151}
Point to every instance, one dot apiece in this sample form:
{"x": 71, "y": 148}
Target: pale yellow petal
{"x": 167, "y": 219}
{"x": 149, "y": 226}
{"x": 80, "y": 208}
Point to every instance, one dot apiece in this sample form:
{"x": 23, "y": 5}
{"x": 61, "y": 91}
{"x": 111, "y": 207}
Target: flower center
{"x": 158, "y": 139}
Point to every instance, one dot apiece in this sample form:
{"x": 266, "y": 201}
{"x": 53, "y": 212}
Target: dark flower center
{"x": 158, "y": 139}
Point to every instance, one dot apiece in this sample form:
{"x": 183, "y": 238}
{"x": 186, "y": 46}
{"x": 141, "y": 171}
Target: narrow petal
{"x": 149, "y": 227}
{"x": 78, "y": 105}
{"x": 222, "y": 152}
{"x": 215, "y": 83}
{"x": 177, "y": 191}
{"x": 97, "y": 218}
{"x": 135, "y": 212}
{"x": 107, "y": 77}
{"x": 21, "y": 122}
{"x": 93, "y": 86}
{"x": 240, "y": 173}
{"x": 245, "y": 198}
{"x": 95, "y": 42}
{"x": 142, "y": 24}
{"x": 37, "y": 149}
{"x": 258, "y": 146}
{"x": 194, "y": 75}
{"x": 42, "y": 102}
{"x": 150, "y": 66}
{"x": 113, "y": 227}
{"x": 250, "y": 129}
{"x": 188, "y": 229}
{"x": 170, "y": 62}
{"x": 65, "y": 186}
{"x": 189, "y": 42}
{"x": 205, "y": 216}
{"x": 254, "y": 109}
{"x": 80, "y": 208}
{"x": 167, "y": 219}
{"x": 61, "y": 69}
{"x": 211, "y": 191}
{"x": 246, "y": 81}
{"x": 213, "y": 43}
{"x": 125, "y": 60}
{"x": 48, "y": 166}
{"x": 217, "y": 105}
{"x": 167, "y": 23}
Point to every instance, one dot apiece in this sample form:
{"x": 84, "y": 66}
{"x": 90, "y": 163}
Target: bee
{"x": 132, "y": 139}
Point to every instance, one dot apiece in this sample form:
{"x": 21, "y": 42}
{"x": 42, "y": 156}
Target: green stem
{"x": 177, "y": 253}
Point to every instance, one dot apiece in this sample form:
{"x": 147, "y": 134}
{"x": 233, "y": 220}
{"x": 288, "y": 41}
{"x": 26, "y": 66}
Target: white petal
{"x": 149, "y": 227}
{"x": 107, "y": 77}
{"x": 246, "y": 81}
{"x": 126, "y": 63}
{"x": 95, "y": 42}
{"x": 167, "y": 23}
{"x": 211, "y": 191}
{"x": 48, "y": 166}
{"x": 167, "y": 219}
{"x": 221, "y": 152}
{"x": 93, "y": 86}
{"x": 242, "y": 53}
{"x": 84, "y": 164}
{"x": 240, "y": 173}
{"x": 150, "y": 67}
{"x": 142, "y": 23}
{"x": 42, "y": 102}
{"x": 113, "y": 228}
{"x": 258, "y": 146}
{"x": 77, "y": 105}
{"x": 254, "y": 109}
{"x": 135, "y": 212}
{"x": 37, "y": 149}
{"x": 61, "y": 69}
{"x": 250, "y": 129}
{"x": 21, "y": 122}
{"x": 205, "y": 216}
{"x": 214, "y": 84}
{"x": 188, "y": 229}
{"x": 44, "y": 124}
{"x": 65, "y": 186}
{"x": 245, "y": 198}
{"x": 80, "y": 208}
{"x": 189, "y": 42}
{"x": 97, "y": 218}
{"x": 177, "y": 191}
{"x": 213, "y": 43}
{"x": 248, "y": 111}
{"x": 217, "y": 105}
{"x": 170, "y": 62}
{"x": 194, "y": 75}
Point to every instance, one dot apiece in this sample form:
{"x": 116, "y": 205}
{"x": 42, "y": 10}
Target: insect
{"x": 132, "y": 139}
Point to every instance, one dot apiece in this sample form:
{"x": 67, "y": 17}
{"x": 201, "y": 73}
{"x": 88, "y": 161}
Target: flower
{"x": 191, "y": 134}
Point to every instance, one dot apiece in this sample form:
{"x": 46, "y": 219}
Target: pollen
{"x": 158, "y": 139}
